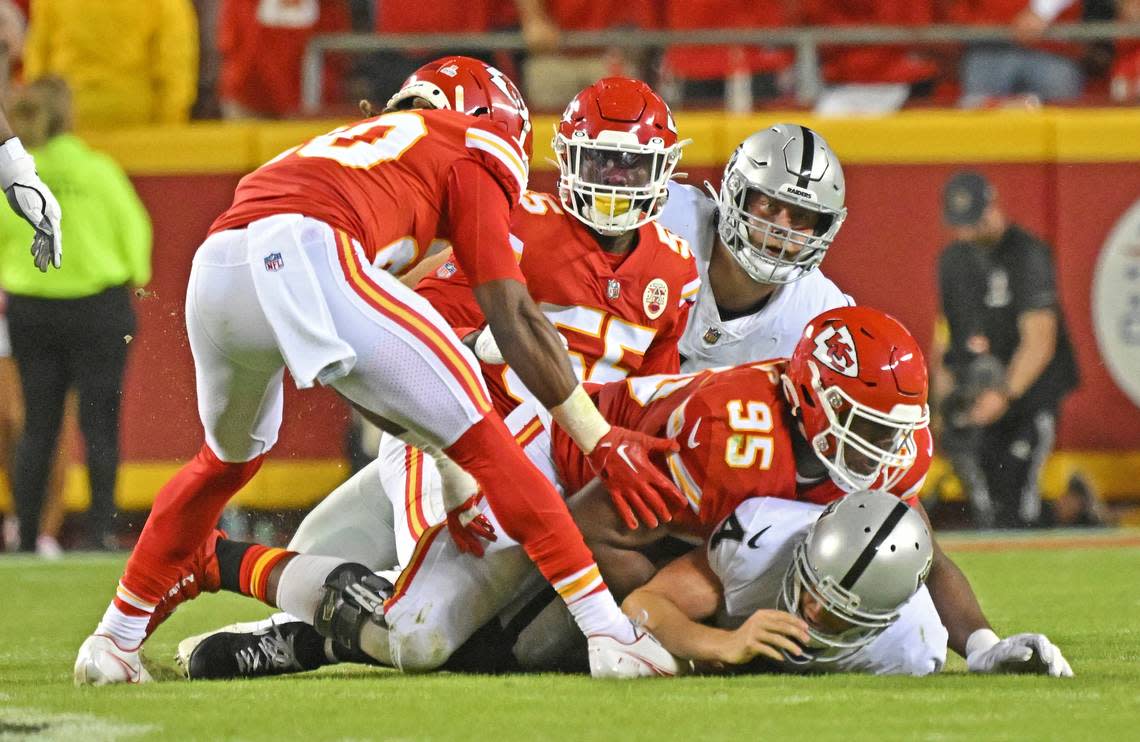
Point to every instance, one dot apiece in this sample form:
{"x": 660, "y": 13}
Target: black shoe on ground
{"x": 252, "y": 650}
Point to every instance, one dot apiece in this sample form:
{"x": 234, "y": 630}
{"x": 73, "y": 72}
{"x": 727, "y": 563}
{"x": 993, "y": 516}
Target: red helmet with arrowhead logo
{"x": 857, "y": 381}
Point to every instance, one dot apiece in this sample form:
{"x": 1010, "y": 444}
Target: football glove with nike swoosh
{"x": 640, "y": 492}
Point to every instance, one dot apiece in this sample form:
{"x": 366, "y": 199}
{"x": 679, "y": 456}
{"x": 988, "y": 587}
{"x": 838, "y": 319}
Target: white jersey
{"x": 750, "y": 554}
{"x": 773, "y": 331}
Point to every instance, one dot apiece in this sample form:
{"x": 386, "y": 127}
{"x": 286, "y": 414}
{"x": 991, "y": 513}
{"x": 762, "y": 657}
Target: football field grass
{"x": 1087, "y": 599}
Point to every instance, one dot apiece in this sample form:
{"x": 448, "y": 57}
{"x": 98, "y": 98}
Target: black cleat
{"x": 252, "y": 650}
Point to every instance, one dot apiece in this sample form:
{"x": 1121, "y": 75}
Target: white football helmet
{"x": 785, "y": 164}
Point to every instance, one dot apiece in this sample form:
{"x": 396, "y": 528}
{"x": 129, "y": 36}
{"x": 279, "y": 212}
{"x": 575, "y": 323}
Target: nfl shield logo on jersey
{"x": 274, "y": 261}
{"x": 655, "y": 298}
{"x": 613, "y": 289}
{"x": 835, "y": 349}
{"x": 711, "y": 336}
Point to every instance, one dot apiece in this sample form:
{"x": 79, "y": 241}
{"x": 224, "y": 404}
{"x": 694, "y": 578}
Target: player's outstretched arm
{"x": 30, "y": 198}
{"x": 684, "y": 593}
{"x": 970, "y": 633}
{"x": 621, "y": 457}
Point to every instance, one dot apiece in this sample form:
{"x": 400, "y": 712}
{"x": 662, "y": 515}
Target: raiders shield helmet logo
{"x": 655, "y": 298}
{"x": 835, "y": 349}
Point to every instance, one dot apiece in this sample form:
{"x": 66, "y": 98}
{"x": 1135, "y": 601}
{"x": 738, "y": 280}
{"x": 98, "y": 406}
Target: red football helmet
{"x": 472, "y": 87}
{"x": 857, "y": 381}
{"x": 617, "y": 148}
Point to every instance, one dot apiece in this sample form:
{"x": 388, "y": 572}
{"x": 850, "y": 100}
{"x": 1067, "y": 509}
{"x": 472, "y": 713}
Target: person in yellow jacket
{"x": 129, "y": 63}
{"x": 70, "y": 329}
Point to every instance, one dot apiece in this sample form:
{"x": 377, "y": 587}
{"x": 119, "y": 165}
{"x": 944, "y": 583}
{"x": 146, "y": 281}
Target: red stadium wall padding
{"x": 885, "y": 255}
{"x": 160, "y": 418}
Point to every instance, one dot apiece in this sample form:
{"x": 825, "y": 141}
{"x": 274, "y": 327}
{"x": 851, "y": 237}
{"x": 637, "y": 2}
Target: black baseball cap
{"x": 965, "y": 198}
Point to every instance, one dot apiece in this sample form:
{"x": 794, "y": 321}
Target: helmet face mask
{"x": 861, "y": 446}
{"x": 865, "y": 556}
{"x": 469, "y": 86}
{"x": 857, "y": 382}
{"x": 617, "y": 149}
{"x": 785, "y": 167}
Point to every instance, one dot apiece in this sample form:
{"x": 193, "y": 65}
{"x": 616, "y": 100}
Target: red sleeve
{"x": 478, "y": 214}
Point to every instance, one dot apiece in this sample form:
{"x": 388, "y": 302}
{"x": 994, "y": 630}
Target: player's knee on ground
{"x": 420, "y": 647}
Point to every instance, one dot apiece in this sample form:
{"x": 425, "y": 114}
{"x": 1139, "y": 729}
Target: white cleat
{"x": 102, "y": 662}
{"x": 644, "y": 658}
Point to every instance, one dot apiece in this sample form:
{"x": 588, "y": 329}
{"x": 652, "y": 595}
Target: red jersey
{"x": 402, "y": 184}
{"x": 618, "y": 318}
{"x": 735, "y": 430}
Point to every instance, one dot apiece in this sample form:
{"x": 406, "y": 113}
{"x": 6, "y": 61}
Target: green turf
{"x": 1088, "y": 601}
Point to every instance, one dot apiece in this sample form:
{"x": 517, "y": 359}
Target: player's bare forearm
{"x": 528, "y": 342}
{"x": 953, "y": 597}
{"x": 677, "y": 632}
{"x": 614, "y": 546}
{"x": 6, "y": 132}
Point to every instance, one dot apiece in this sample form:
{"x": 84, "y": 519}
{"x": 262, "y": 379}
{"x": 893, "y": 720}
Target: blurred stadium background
{"x": 879, "y": 79}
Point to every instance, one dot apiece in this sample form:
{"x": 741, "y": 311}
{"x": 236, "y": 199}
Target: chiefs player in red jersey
{"x": 614, "y": 283}
{"x": 846, "y": 412}
{"x": 301, "y": 273}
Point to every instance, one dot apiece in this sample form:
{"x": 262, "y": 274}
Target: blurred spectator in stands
{"x": 388, "y": 70}
{"x": 999, "y": 375}
{"x": 262, "y": 43}
{"x": 551, "y": 75}
{"x": 1125, "y": 74}
{"x": 897, "y": 71}
{"x": 736, "y": 74}
{"x": 128, "y": 63}
{"x": 72, "y": 329}
{"x": 12, "y": 27}
{"x": 206, "y": 105}
{"x": 1046, "y": 71}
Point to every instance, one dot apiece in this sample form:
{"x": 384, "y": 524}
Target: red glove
{"x": 467, "y": 526}
{"x": 621, "y": 460}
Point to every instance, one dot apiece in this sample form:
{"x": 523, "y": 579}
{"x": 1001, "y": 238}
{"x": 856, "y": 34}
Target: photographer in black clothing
{"x": 1006, "y": 364}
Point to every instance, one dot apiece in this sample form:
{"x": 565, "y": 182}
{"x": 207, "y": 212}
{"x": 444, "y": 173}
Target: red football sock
{"x": 528, "y": 507}
{"x": 184, "y": 514}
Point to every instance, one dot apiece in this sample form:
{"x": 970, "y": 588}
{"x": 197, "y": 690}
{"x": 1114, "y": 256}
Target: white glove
{"x": 1020, "y": 653}
{"x": 31, "y": 199}
{"x": 487, "y": 349}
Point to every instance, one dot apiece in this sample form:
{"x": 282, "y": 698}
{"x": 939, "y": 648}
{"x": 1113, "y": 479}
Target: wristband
{"x": 981, "y": 640}
{"x": 13, "y": 159}
{"x": 580, "y": 418}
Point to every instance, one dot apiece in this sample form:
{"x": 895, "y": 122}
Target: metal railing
{"x": 805, "y": 40}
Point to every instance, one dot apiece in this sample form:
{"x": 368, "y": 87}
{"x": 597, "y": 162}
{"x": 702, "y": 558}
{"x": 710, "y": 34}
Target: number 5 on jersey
{"x": 748, "y": 420}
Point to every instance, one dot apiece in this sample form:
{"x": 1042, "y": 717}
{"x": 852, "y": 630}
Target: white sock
{"x": 299, "y": 588}
{"x": 598, "y": 614}
{"x": 127, "y": 631}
